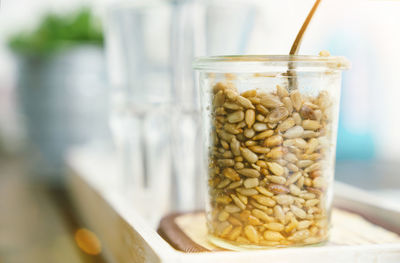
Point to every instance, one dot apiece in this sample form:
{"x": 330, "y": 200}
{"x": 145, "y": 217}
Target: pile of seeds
{"x": 268, "y": 155}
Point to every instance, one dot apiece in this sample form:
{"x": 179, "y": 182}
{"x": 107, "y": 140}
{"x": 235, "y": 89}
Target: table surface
{"x": 37, "y": 222}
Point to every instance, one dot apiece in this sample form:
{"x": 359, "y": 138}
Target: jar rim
{"x": 297, "y": 62}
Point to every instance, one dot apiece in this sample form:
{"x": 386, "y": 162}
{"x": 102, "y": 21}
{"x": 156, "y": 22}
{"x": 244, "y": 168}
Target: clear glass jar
{"x": 270, "y": 136}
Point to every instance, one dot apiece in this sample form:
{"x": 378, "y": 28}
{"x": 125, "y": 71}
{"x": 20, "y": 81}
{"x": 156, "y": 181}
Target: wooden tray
{"x": 366, "y": 233}
{"x": 187, "y": 232}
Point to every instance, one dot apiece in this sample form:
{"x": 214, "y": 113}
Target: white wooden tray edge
{"x": 140, "y": 243}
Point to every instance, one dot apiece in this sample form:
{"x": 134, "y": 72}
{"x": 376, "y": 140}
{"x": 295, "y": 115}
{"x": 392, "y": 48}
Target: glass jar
{"x": 270, "y": 135}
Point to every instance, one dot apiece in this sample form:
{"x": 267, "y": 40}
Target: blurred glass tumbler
{"x": 155, "y": 109}
{"x": 139, "y": 71}
{"x": 270, "y": 125}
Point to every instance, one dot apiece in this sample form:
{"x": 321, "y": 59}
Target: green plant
{"x": 57, "y": 32}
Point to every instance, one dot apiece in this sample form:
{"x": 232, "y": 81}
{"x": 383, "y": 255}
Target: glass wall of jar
{"x": 270, "y": 124}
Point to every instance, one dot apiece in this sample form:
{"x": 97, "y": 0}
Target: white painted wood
{"x": 129, "y": 238}
{"x": 374, "y": 207}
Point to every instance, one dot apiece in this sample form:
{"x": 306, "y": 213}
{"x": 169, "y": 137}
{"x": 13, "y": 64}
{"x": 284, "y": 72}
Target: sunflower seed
{"x": 249, "y": 155}
{"x": 231, "y": 174}
{"x": 278, "y": 114}
{"x": 249, "y": 93}
{"x": 258, "y": 127}
{"x": 281, "y": 91}
{"x": 300, "y": 213}
{"x": 249, "y": 172}
{"x": 270, "y": 101}
{"x": 286, "y": 124}
{"x": 244, "y": 102}
{"x": 250, "y": 117}
{"x": 235, "y": 117}
{"x": 296, "y": 99}
{"x": 250, "y": 182}
{"x": 284, "y": 199}
{"x": 294, "y": 132}
{"x": 251, "y": 233}
{"x": 276, "y": 179}
{"x": 275, "y": 168}
{"x": 278, "y": 189}
{"x": 247, "y": 192}
{"x": 311, "y": 125}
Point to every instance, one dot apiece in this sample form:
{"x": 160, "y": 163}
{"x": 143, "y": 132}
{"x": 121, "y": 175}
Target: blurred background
{"x": 108, "y": 85}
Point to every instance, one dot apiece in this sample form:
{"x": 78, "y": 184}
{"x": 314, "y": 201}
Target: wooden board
{"x": 129, "y": 238}
{"x": 187, "y": 232}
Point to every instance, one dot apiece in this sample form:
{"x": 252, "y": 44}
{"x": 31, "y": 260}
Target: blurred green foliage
{"x": 56, "y": 32}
